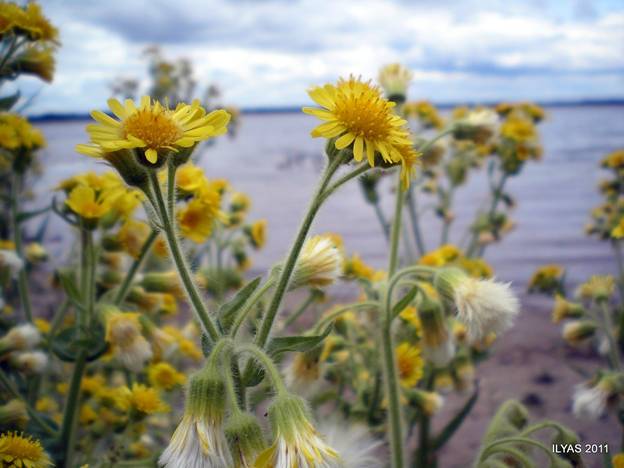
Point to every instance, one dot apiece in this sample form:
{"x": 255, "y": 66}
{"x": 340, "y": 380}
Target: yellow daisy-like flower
{"x": 143, "y": 399}
{"x": 153, "y": 128}
{"x": 87, "y": 204}
{"x": 196, "y": 220}
{"x": 519, "y": 129}
{"x": 356, "y": 114}
{"x": 409, "y": 363}
{"x": 189, "y": 178}
{"x": 257, "y": 233}
{"x": 614, "y": 160}
{"x": 16, "y": 132}
{"x": 618, "y": 231}
{"x": 163, "y": 375}
{"x": 355, "y": 267}
{"x": 20, "y": 451}
{"x": 132, "y": 236}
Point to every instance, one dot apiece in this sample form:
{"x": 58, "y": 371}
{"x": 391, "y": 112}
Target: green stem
{"x": 355, "y": 307}
{"x": 382, "y": 220}
{"x": 134, "y": 268}
{"x": 413, "y": 214}
{"x": 266, "y": 362}
{"x": 180, "y": 261}
{"x": 498, "y": 191}
{"x": 515, "y": 453}
{"x": 609, "y": 330}
{"x": 31, "y": 411}
{"x": 448, "y": 201}
{"x": 617, "y": 247}
{"x": 22, "y": 278}
{"x": 518, "y": 440}
{"x": 289, "y": 266}
{"x": 292, "y": 318}
{"x": 91, "y": 263}
{"x": 425, "y": 147}
{"x": 422, "y": 455}
{"x": 252, "y": 301}
{"x": 395, "y": 233}
{"x": 358, "y": 171}
{"x": 68, "y": 427}
{"x": 171, "y": 190}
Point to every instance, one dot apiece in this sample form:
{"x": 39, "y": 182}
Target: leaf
{"x": 228, "y": 311}
{"x": 404, "y": 302}
{"x": 283, "y": 344}
{"x": 26, "y": 215}
{"x": 9, "y": 101}
{"x": 454, "y": 424}
{"x": 67, "y": 347}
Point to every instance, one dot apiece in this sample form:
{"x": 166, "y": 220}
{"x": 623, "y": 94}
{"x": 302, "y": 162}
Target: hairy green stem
{"x": 289, "y": 266}
{"x": 381, "y": 217}
{"x": 299, "y": 311}
{"x": 252, "y": 301}
{"x": 412, "y": 209}
{"x": 180, "y": 263}
{"x": 22, "y": 278}
{"x": 122, "y": 292}
{"x": 269, "y": 366}
{"x": 395, "y": 232}
{"x": 609, "y": 329}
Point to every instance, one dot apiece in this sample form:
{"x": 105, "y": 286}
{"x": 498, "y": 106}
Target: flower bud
{"x": 564, "y": 309}
{"x": 13, "y": 414}
{"x": 245, "y": 439}
{"x": 131, "y": 171}
{"x": 427, "y": 402}
{"x": 162, "y": 282}
{"x": 578, "y": 331}
{"x": 29, "y": 362}
{"x": 395, "y": 79}
{"x": 20, "y": 338}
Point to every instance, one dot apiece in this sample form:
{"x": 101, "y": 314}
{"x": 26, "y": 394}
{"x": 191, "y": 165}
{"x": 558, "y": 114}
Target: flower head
{"x": 29, "y": 362}
{"x": 142, "y": 399}
{"x": 410, "y": 364}
{"x": 319, "y": 264}
{"x": 354, "y": 442}
{"x": 257, "y": 233}
{"x": 199, "y": 440}
{"x": 86, "y": 203}
{"x": 19, "y": 450}
{"x": 20, "y": 338}
{"x": 591, "y": 398}
{"x": 296, "y": 442}
{"x": 358, "y": 117}
{"x": 395, "y": 79}
{"x": 164, "y": 375}
{"x": 152, "y": 129}
{"x": 484, "y": 306}
{"x": 123, "y": 333}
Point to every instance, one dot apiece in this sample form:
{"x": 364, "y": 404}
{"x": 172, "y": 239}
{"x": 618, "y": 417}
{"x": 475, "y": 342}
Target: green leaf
{"x": 9, "y": 101}
{"x": 228, "y": 311}
{"x": 454, "y": 424}
{"x": 404, "y": 302}
{"x": 284, "y": 344}
{"x": 26, "y": 215}
{"x": 67, "y": 347}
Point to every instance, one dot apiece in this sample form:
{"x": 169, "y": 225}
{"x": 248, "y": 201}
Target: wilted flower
{"x": 319, "y": 264}
{"x": 123, "y": 333}
{"x": 29, "y": 362}
{"x": 354, "y": 442}
{"x": 296, "y": 442}
{"x": 578, "y": 331}
{"x": 20, "y": 338}
{"x": 590, "y": 399}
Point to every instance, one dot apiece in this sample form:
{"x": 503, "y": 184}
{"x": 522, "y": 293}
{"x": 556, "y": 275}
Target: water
{"x": 274, "y": 160}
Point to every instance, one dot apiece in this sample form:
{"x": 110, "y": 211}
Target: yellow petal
{"x": 117, "y": 108}
{"x": 358, "y": 149}
{"x": 151, "y": 155}
{"x": 345, "y": 140}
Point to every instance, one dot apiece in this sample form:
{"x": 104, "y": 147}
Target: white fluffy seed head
{"x": 22, "y": 337}
{"x": 30, "y": 362}
{"x": 485, "y": 306}
{"x": 589, "y": 402}
{"x": 354, "y": 442}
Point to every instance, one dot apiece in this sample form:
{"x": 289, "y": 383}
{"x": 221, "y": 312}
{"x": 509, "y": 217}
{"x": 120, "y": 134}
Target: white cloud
{"x": 268, "y": 52}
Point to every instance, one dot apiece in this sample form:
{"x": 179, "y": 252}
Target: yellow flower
{"x": 257, "y": 233}
{"x": 518, "y": 129}
{"x": 565, "y": 309}
{"x": 614, "y": 160}
{"x": 20, "y": 451}
{"x": 143, "y": 399}
{"x": 441, "y": 256}
{"x": 154, "y": 129}
{"x": 409, "y": 364}
{"x": 37, "y": 61}
{"x": 87, "y": 414}
{"x": 410, "y": 315}
{"x": 163, "y": 375}
{"x": 42, "y": 325}
{"x": 618, "y": 460}
{"x": 46, "y": 405}
{"x": 357, "y": 115}
{"x": 87, "y": 204}
{"x": 16, "y": 132}
{"x": 618, "y": 231}
{"x": 425, "y": 112}
{"x": 91, "y": 385}
{"x": 197, "y": 219}
{"x": 355, "y": 267}
{"x": 547, "y": 279}
{"x": 240, "y": 202}
{"x": 132, "y": 236}
{"x": 598, "y": 287}
{"x": 35, "y": 24}
{"x": 189, "y": 177}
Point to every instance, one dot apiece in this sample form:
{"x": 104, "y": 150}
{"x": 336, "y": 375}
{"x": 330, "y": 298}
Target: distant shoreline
{"x": 68, "y": 117}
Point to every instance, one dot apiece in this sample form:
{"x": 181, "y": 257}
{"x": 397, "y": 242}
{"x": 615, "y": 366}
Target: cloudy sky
{"x": 267, "y": 52}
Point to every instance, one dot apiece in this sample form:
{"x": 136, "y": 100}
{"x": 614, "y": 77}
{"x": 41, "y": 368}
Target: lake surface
{"x": 274, "y": 160}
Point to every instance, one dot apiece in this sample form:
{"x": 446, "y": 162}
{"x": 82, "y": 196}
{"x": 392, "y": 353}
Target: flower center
{"x": 22, "y": 449}
{"x": 154, "y": 127}
{"x": 363, "y": 111}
